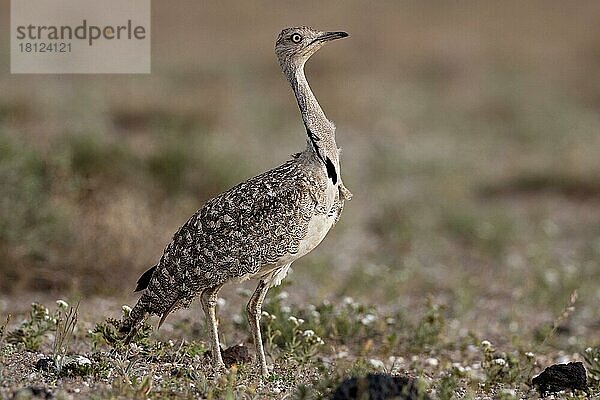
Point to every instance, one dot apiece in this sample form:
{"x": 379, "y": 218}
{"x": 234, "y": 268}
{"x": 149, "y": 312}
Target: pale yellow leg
{"x": 209, "y": 304}
{"x": 254, "y": 313}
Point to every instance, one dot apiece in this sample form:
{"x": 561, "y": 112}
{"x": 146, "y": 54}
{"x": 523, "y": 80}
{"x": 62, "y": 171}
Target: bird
{"x": 258, "y": 228}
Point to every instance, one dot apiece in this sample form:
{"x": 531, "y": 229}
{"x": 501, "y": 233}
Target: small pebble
{"x": 432, "y": 361}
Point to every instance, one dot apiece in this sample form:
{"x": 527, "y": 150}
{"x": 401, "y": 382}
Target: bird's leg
{"x": 254, "y": 313}
{"x": 209, "y": 303}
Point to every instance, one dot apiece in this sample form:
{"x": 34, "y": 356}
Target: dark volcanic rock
{"x": 236, "y": 354}
{"x": 571, "y": 376}
{"x": 46, "y": 364}
{"x": 379, "y": 387}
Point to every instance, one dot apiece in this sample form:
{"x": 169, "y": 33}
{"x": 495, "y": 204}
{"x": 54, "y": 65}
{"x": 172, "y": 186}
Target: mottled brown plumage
{"x": 259, "y": 227}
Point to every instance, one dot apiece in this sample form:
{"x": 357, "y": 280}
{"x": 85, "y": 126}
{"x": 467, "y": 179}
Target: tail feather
{"x": 164, "y": 315}
{"x": 144, "y": 280}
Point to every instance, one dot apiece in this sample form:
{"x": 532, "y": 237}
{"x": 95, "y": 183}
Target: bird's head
{"x": 295, "y": 45}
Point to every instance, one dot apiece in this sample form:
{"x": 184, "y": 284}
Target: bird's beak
{"x": 327, "y": 36}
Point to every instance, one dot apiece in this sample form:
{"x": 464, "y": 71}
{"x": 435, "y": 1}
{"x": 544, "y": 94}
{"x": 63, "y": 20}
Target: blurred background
{"x": 471, "y": 137}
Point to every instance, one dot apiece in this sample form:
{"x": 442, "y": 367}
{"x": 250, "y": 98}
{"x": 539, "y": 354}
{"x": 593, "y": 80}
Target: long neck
{"x": 321, "y": 131}
{"x": 312, "y": 113}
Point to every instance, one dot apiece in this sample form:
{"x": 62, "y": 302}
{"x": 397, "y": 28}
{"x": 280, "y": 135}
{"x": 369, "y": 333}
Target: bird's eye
{"x": 296, "y": 38}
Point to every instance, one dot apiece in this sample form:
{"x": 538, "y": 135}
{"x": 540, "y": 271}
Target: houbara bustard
{"x": 258, "y": 228}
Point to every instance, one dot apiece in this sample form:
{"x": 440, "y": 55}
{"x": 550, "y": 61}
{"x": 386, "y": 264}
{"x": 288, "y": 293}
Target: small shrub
{"x": 65, "y": 327}
{"x": 349, "y": 322}
{"x": 505, "y": 367}
{"x": 107, "y": 333}
{"x": 62, "y": 321}
{"x": 193, "y": 349}
{"x": 429, "y": 328}
{"x": 31, "y": 332}
{"x": 290, "y": 336}
{"x": 591, "y": 355}
{"x": 446, "y": 387}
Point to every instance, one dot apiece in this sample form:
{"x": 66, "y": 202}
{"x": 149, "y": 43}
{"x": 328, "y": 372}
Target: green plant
{"x": 429, "y": 328}
{"x": 446, "y": 386}
{"x": 62, "y": 322}
{"x": 193, "y": 349}
{"x": 65, "y": 327}
{"x": 290, "y": 336}
{"x": 107, "y": 332}
{"x": 591, "y": 355}
{"x": 350, "y": 321}
{"x": 301, "y": 329}
{"x": 505, "y": 367}
{"x": 31, "y": 332}
{"x": 132, "y": 379}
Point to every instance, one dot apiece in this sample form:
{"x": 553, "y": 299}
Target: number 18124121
{"x": 59, "y": 47}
